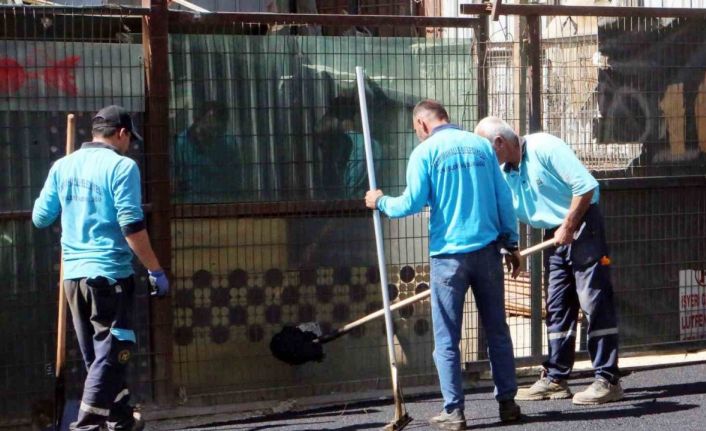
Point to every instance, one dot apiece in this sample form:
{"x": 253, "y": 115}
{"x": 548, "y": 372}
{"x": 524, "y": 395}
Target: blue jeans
{"x": 451, "y": 275}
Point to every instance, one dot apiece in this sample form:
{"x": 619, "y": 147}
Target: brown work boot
{"x": 545, "y": 388}
{"x": 601, "y": 391}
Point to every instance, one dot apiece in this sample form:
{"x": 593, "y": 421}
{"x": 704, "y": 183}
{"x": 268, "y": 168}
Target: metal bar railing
{"x": 555, "y": 10}
{"x": 181, "y": 21}
{"x": 76, "y": 10}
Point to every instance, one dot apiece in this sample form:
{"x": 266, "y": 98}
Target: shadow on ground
{"x": 270, "y": 421}
{"x": 638, "y": 402}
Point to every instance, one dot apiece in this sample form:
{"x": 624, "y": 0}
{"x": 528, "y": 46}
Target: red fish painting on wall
{"x": 58, "y": 75}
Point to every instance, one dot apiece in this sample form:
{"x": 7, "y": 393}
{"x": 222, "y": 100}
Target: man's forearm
{"x": 579, "y": 206}
{"x": 139, "y": 242}
{"x": 41, "y": 217}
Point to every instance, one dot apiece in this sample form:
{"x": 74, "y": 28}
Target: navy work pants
{"x": 578, "y": 275}
{"x": 101, "y": 316}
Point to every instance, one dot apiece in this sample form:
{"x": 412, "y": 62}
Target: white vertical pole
{"x": 360, "y": 77}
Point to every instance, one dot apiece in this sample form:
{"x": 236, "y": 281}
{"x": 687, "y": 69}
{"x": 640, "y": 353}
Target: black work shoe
{"x": 138, "y": 424}
{"x": 509, "y": 411}
{"x": 453, "y": 420}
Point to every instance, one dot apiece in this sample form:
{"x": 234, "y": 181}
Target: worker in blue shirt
{"x": 456, "y": 173}
{"x": 354, "y": 173}
{"x": 97, "y": 192}
{"x": 342, "y": 147}
{"x": 209, "y": 165}
{"x": 553, "y": 191}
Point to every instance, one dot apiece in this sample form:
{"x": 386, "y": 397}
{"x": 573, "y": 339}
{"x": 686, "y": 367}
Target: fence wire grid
{"x": 263, "y": 121}
{"x": 267, "y": 178}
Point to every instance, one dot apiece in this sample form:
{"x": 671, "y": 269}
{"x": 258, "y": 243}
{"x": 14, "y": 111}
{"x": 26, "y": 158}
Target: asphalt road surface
{"x": 672, "y": 398}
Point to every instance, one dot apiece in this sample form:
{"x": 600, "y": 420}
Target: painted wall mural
{"x": 652, "y": 89}
{"x": 76, "y": 76}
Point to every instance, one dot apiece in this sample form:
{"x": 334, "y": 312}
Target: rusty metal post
{"x": 482, "y": 39}
{"x": 534, "y": 51}
{"x": 155, "y": 42}
{"x": 535, "y": 65}
{"x": 519, "y": 76}
{"x": 496, "y": 9}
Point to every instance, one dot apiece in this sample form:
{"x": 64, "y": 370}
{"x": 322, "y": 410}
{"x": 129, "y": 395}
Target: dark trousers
{"x": 101, "y": 316}
{"x": 578, "y": 275}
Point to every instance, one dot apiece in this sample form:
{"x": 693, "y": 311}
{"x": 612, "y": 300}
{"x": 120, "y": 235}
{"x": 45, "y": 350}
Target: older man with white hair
{"x": 553, "y": 191}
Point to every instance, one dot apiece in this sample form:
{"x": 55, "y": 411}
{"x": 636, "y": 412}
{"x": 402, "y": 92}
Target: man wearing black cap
{"x": 97, "y": 192}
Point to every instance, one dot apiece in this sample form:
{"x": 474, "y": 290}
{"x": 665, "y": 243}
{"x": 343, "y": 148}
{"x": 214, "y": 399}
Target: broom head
{"x": 296, "y": 346}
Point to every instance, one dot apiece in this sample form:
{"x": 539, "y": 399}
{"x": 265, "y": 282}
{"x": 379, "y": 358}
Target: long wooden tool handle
{"x": 340, "y": 331}
{"x": 61, "y": 314}
{"x": 537, "y": 247}
{"x": 411, "y": 300}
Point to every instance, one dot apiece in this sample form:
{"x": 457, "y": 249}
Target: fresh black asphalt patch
{"x": 671, "y": 398}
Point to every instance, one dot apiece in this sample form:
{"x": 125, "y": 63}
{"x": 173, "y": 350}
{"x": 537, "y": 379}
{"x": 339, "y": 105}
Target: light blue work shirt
{"x": 208, "y": 172}
{"x": 456, "y": 173}
{"x": 97, "y": 192}
{"x": 548, "y": 177}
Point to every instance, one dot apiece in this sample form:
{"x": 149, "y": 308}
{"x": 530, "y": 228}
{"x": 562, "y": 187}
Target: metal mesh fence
{"x": 268, "y": 225}
{"x": 656, "y": 236}
{"x": 625, "y": 94}
{"x": 658, "y": 105}
{"x": 269, "y": 177}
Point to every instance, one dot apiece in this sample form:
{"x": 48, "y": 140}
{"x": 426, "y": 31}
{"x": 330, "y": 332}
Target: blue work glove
{"x": 159, "y": 284}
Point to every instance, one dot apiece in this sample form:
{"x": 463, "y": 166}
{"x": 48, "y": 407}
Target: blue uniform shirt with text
{"x": 97, "y": 192}
{"x": 456, "y": 173}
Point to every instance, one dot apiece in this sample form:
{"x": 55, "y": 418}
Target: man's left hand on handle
{"x": 564, "y": 235}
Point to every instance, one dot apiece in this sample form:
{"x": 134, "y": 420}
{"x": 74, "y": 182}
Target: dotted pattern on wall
{"x": 251, "y": 307}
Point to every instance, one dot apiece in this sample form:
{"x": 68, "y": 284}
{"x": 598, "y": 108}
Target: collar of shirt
{"x": 444, "y": 127}
{"x": 509, "y": 167}
{"x": 99, "y": 145}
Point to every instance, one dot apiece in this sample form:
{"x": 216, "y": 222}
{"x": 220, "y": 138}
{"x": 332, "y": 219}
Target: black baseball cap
{"x": 116, "y": 116}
